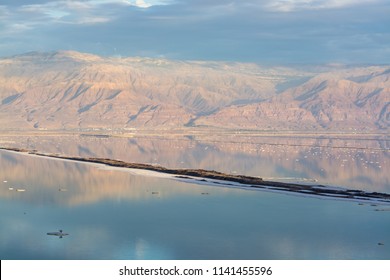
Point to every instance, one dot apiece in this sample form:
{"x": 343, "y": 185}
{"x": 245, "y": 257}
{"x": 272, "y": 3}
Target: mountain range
{"x": 68, "y": 90}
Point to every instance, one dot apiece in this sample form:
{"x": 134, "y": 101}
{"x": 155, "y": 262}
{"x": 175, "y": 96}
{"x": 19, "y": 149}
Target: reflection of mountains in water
{"x": 347, "y": 161}
{"x": 45, "y": 181}
{"x": 210, "y": 177}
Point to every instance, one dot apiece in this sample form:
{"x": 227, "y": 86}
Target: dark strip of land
{"x": 228, "y": 179}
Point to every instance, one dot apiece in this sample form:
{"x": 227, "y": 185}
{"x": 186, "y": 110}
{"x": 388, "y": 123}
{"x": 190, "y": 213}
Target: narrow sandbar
{"x": 211, "y": 177}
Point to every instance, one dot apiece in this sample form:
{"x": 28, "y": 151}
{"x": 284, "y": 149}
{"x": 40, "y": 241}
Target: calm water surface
{"x": 353, "y": 161}
{"x": 113, "y": 214}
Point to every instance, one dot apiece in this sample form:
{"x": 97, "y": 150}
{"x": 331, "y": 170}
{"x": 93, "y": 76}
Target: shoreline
{"x": 212, "y": 177}
{"x": 197, "y": 131}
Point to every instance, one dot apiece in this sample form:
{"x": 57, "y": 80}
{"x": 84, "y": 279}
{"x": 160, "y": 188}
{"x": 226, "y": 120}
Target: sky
{"x": 260, "y": 31}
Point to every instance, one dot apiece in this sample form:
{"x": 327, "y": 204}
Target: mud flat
{"x": 218, "y": 178}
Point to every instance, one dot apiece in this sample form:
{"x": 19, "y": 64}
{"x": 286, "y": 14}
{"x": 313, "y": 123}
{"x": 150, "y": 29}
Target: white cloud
{"x": 89, "y": 20}
{"x": 141, "y": 4}
{"x": 77, "y": 12}
{"x": 284, "y": 30}
{"x": 297, "y": 5}
{"x": 3, "y": 12}
{"x": 72, "y": 12}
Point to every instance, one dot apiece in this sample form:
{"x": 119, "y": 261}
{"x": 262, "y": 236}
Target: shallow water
{"x": 352, "y": 161}
{"x": 115, "y": 214}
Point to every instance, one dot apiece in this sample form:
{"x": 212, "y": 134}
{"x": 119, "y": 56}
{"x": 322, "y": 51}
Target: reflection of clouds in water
{"x": 19, "y": 227}
{"x": 259, "y": 226}
{"x": 288, "y": 248}
{"x": 28, "y": 235}
{"x": 25, "y": 237}
{"x": 24, "y": 230}
{"x": 88, "y": 241}
{"x": 140, "y": 248}
{"x": 285, "y": 246}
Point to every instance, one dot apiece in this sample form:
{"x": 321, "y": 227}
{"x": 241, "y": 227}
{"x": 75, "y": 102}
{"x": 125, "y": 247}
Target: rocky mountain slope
{"x": 71, "y": 90}
{"x": 352, "y": 99}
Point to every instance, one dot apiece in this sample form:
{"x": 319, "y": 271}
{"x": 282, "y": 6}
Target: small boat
{"x": 59, "y": 233}
{"x": 20, "y": 190}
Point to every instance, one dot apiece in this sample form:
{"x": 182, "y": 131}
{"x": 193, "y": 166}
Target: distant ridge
{"x": 72, "y": 90}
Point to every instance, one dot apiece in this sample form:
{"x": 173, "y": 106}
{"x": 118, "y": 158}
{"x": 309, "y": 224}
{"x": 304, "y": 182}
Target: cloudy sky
{"x": 262, "y": 31}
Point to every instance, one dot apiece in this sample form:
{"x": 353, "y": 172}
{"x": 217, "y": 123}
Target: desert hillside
{"x": 349, "y": 99}
{"x": 71, "y": 90}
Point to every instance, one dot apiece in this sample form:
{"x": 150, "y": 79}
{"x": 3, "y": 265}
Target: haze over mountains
{"x": 71, "y": 90}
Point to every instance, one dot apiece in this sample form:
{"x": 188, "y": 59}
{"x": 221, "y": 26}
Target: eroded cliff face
{"x": 71, "y": 90}
{"x": 354, "y": 99}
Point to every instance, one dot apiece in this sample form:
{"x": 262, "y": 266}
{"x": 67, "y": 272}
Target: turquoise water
{"x": 113, "y": 214}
